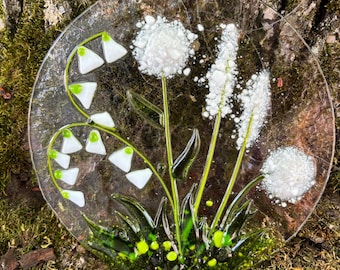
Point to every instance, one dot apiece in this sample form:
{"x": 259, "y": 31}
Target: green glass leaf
{"x": 150, "y": 112}
{"x": 138, "y": 217}
{"x": 184, "y": 161}
{"x": 228, "y": 216}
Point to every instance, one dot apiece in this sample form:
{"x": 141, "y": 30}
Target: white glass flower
{"x": 122, "y": 158}
{"x": 88, "y": 60}
{"x": 111, "y": 49}
{"x": 162, "y": 47}
{"x": 222, "y": 74}
{"x": 255, "y": 102}
{"x": 62, "y": 159}
{"x": 84, "y": 92}
{"x": 94, "y": 143}
{"x": 289, "y": 173}
{"x": 68, "y": 176}
{"x": 74, "y": 196}
{"x": 70, "y": 143}
{"x": 140, "y": 177}
{"x": 103, "y": 119}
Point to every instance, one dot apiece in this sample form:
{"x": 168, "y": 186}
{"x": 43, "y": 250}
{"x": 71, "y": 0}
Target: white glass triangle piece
{"x": 111, "y": 49}
{"x": 74, "y": 196}
{"x": 122, "y": 158}
{"x": 103, "y": 119}
{"x": 140, "y": 177}
{"x": 94, "y": 143}
{"x": 70, "y": 143}
{"x": 62, "y": 159}
{"x": 84, "y": 92}
{"x": 88, "y": 60}
{"x": 68, "y": 176}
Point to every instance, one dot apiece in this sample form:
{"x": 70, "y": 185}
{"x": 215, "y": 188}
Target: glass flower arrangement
{"x": 179, "y": 236}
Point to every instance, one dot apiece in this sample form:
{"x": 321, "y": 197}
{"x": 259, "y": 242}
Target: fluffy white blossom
{"x": 222, "y": 74}
{"x": 255, "y": 102}
{"x": 289, "y": 173}
{"x": 162, "y": 47}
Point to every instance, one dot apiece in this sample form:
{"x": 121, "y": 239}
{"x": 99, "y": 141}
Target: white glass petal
{"x": 69, "y": 176}
{"x": 140, "y": 177}
{"x": 94, "y": 143}
{"x": 111, "y": 49}
{"x": 70, "y": 144}
{"x": 84, "y": 92}
{"x": 122, "y": 158}
{"x": 88, "y": 60}
{"x": 103, "y": 119}
{"x": 62, "y": 159}
{"x": 74, "y": 196}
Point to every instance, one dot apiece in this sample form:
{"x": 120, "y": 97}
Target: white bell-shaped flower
{"x": 88, "y": 60}
{"x": 84, "y": 92}
{"x": 94, "y": 143}
{"x": 74, "y": 196}
{"x": 122, "y": 158}
{"x": 62, "y": 159}
{"x": 68, "y": 176}
{"x": 103, "y": 119}
{"x": 111, "y": 49}
{"x": 140, "y": 177}
{"x": 70, "y": 143}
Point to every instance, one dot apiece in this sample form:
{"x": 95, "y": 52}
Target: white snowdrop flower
{"x": 84, "y": 92}
{"x": 122, "y": 158}
{"x": 140, "y": 177}
{"x": 68, "y": 176}
{"x": 111, "y": 49}
{"x": 70, "y": 143}
{"x": 74, "y": 196}
{"x": 88, "y": 60}
{"x": 289, "y": 173}
{"x": 103, "y": 119}
{"x": 255, "y": 102}
{"x": 62, "y": 159}
{"x": 222, "y": 74}
{"x": 162, "y": 47}
{"x": 94, "y": 143}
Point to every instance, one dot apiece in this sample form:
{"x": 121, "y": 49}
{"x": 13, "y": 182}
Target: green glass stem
{"x": 232, "y": 179}
{"x": 170, "y": 165}
{"x": 208, "y": 163}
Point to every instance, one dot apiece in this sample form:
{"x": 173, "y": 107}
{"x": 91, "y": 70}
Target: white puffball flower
{"x": 255, "y": 100}
{"x": 162, "y": 47}
{"x": 288, "y": 174}
{"x": 222, "y": 74}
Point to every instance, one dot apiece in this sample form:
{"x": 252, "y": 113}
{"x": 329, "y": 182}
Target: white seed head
{"x": 289, "y": 174}
{"x": 162, "y": 47}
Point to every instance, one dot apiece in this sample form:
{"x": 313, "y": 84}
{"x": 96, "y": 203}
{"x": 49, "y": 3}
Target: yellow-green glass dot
{"x": 171, "y": 256}
{"x": 81, "y": 51}
{"x": 128, "y": 150}
{"x": 142, "y": 247}
{"x": 209, "y": 203}
{"x": 212, "y": 262}
{"x": 65, "y": 194}
{"x": 76, "y": 88}
{"x": 167, "y": 245}
{"x": 192, "y": 247}
{"x": 106, "y": 37}
{"x": 67, "y": 133}
{"x": 132, "y": 256}
{"x": 53, "y": 154}
{"x": 58, "y": 174}
{"x": 218, "y": 239}
{"x": 154, "y": 245}
{"x": 93, "y": 137}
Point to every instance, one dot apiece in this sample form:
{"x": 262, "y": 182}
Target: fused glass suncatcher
{"x": 96, "y": 128}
